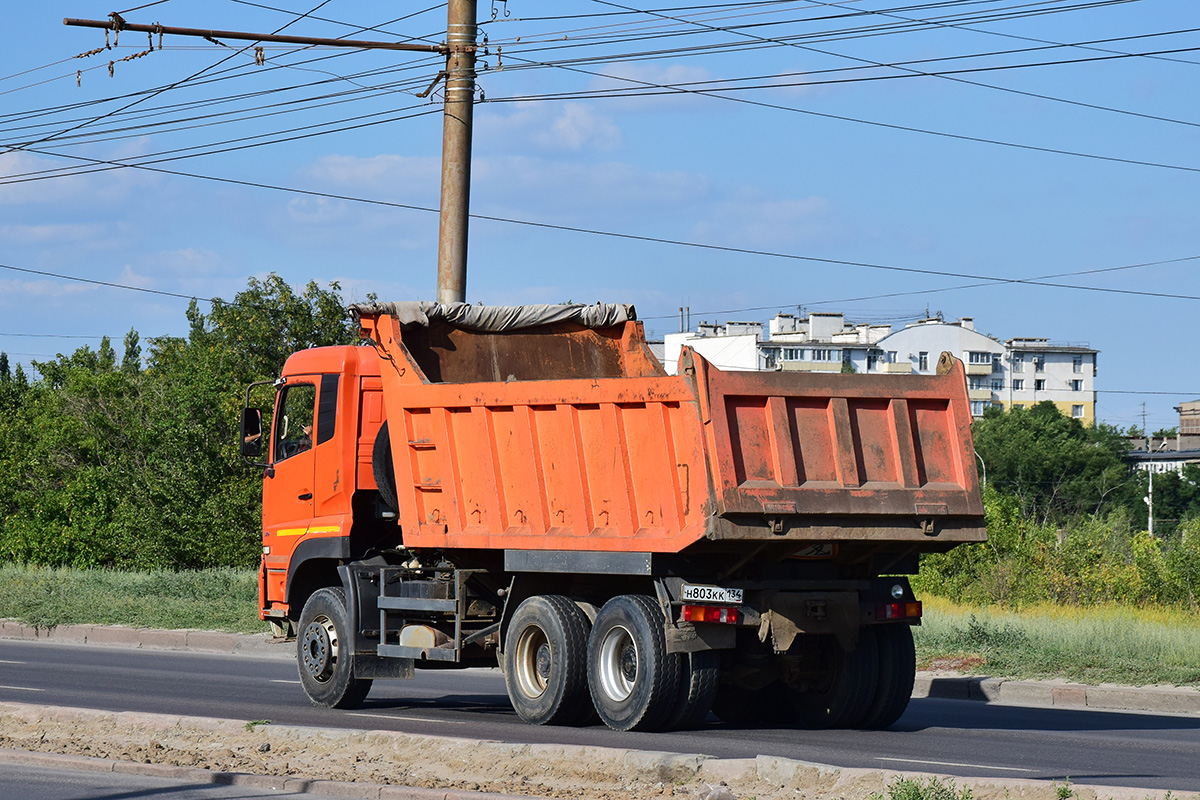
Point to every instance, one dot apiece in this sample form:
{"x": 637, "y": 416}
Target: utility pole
{"x": 459, "y": 50}
{"x": 456, "y": 151}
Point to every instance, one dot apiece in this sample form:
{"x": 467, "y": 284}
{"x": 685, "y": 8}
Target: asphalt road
{"x": 967, "y": 738}
{"x": 50, "y": 783}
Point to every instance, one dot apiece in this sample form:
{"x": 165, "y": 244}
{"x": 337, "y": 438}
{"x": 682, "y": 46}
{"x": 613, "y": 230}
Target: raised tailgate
{"x": 788, "y": 443}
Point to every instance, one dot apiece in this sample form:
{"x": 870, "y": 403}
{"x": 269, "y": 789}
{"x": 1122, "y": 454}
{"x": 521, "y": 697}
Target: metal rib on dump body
{"x": 836, "y": 457}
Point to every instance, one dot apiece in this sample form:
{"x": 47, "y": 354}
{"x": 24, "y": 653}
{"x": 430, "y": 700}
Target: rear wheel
{"x": 897, "y": 673}
{"x": 545, "y": 661}
{"x": 841, "y": 691}
{"x": 322, "y": 650}
{"x": 700, "y": 675}
{"x": 633, "y": 679}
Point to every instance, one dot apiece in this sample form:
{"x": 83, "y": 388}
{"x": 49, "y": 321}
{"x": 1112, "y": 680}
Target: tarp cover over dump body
{"x": 565, "y": 437}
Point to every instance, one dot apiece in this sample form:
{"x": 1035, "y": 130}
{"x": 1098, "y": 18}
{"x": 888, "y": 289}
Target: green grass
{"x": 211, "y": 599}
{"x": 1113, "y": 644}
{"x": 1095, "y": 644}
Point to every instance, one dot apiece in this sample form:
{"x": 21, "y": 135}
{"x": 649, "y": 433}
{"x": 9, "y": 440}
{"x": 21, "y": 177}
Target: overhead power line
{"x": 680, "y": 89}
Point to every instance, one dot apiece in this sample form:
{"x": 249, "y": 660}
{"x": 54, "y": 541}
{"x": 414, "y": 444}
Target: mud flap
{"x": 790, "y": 614}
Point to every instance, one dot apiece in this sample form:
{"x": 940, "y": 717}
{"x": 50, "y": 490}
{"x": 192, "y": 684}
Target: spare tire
{"x": 384, "y": 469}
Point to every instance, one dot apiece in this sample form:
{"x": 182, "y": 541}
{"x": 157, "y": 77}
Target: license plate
{"x": 712, "y": 594}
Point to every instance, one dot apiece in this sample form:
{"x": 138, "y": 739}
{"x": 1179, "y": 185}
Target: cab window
{"x": 294, "y": 427}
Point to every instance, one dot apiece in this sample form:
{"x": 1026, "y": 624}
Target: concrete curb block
{"x": 1060, "y": 694}
{"x": 1057, "y": 694}
{"x": 257, "y": 645}
{"x": 630, "y": 770}
{"x": 373, "y": 791}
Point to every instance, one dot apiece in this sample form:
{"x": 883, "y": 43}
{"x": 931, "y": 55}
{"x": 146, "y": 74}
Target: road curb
{"x": 192, "y": 641}
{"x": 605, "y": 771}
{"x": 1059, "y": 694}
{"x": 949, "y": 686}
{"x": 374, "y": 791}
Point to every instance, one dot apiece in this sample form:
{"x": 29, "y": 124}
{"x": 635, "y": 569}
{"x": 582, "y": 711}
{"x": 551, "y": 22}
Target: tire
{"x": 326, "y": 671}
{"x": 842, "y": 697}
{"x": 699, "y": 677}
{"x": 545, "y": 661}
{"x": 632, "y": 679}
{"x": 897, "y": 673}
{"x": 384, "y": 469}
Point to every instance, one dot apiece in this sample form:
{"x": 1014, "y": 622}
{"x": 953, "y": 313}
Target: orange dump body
{"x": 568, "y": 438}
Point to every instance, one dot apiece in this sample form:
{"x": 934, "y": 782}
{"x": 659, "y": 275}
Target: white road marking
{"x": 2, "y": 661}
{"x": 22, "y": 688}
{"x": 954, "y": 764}
{"x": 277, "y": 681}
{"x": 406, "y": 719}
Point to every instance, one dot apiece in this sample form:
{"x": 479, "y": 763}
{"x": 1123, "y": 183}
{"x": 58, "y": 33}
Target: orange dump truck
{"x": 528, "y": 487}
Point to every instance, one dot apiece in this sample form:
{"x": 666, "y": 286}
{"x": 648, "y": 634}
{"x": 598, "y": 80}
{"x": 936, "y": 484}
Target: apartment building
{"x": 1017, "y": 372}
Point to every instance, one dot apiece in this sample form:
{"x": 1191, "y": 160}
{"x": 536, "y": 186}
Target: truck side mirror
{"x": 251, "y": 444}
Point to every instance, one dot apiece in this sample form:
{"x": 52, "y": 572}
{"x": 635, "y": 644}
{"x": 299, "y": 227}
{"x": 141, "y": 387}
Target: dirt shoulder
{"x": 373, "y": 759}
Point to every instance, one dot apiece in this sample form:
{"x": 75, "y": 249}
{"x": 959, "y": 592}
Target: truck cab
{"x": 320, "y": 500}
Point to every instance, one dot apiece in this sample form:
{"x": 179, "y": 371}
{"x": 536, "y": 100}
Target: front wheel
{"x": 633, "y": 679}
{"x": 322, "y": 650}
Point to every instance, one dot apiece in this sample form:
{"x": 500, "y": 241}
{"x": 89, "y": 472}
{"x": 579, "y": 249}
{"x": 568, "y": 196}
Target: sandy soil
{"x": 386, "y": 757}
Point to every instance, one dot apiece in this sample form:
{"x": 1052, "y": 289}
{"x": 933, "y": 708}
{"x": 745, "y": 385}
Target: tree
{"x": 131, "y": 362}
{"x": 118, "y": 465}
{"x": 1051, "y": 463}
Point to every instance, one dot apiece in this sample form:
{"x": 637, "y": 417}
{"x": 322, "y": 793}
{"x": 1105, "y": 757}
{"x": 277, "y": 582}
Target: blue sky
{"x": 815, "y": 162}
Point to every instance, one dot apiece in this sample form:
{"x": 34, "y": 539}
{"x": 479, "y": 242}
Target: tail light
{"x": 710, "y": 614}
{"x": 898, "y": 610}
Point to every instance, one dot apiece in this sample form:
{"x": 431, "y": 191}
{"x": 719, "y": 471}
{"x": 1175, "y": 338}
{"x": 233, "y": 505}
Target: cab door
{"x": 288, "y": 493}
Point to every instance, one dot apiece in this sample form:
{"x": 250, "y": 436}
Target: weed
{"x": 932, "y": 789}
{"x": 256, "y": 723}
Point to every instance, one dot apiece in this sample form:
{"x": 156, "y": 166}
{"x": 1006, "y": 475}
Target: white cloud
{"x": 17, "y": 292}
{"x": 750, "y": 219}
{"x": 317, "y": 211}
{"x": 631, "y": 77}
{"x": 570, "y": 127}
{"x": 545, "y": 189}
{"x": 28, "y": 179}
{"x": 130, "y": 278}
{"x": 50, "y": 233}
{"x": 34, "y": 186}
{"x": 393, "y": 175}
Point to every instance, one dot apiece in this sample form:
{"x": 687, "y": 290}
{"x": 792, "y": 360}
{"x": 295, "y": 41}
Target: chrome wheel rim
{"x": 319, "y": 647}
{"x": 618, "y": 664}
{"x": 533, "y": 662}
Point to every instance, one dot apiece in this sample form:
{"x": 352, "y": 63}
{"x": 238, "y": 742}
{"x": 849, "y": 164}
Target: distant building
{"x": 1185, "y": 444}
{"x": 1162, "y": 460}
{"x": 1014, "y": 373}
{"x": 823, "y": 342}
{"x": 733, "y": 346}
{"x": 1189, "y": 418}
